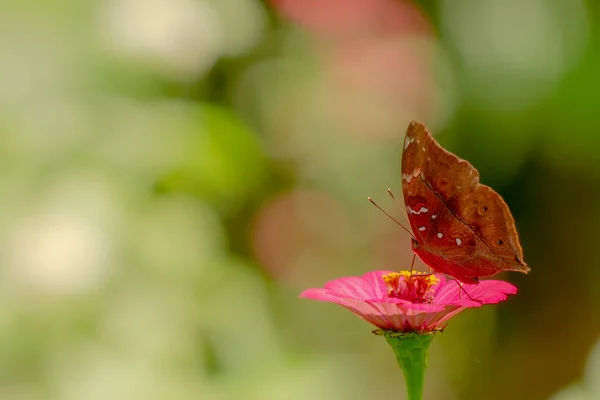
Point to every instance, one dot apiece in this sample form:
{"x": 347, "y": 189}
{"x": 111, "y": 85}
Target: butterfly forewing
{"x": 423, "y": 208}
{"x": 461, "y": 227}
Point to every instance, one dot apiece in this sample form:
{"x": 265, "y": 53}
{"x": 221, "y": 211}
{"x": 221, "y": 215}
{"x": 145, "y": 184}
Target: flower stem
{"x": 411, "y": 354}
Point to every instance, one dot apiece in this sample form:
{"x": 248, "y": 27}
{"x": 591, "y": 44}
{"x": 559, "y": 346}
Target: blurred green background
{"x": 175, "y": 172}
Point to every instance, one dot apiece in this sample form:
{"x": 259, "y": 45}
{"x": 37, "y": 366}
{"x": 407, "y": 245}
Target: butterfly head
{"x": 415, "y": 245}
{"x": 419, "y": 250}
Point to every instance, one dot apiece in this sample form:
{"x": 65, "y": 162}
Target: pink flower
{"x": 400, "y": 302}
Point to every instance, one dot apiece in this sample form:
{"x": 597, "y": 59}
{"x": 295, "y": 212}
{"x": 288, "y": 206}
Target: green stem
{"x": 411, "y": 354}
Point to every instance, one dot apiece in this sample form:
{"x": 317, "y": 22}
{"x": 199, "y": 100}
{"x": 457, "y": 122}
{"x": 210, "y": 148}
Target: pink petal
{"x": 317, "y": 294}
{"x": 368, "y": 286}
{"x": 450, "y": 312}
{"x": 375, "y": 279}
{"x": 436, "y": 320}
{"x": 486, "y": 292}
{"x": 492, "y": 291}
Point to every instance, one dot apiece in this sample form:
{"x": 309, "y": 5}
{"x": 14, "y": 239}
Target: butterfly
{"x": 461, "y": 228}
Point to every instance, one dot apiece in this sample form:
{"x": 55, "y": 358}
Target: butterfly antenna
{"x": 392, "y": 218}
{"x": 397, "y": 203}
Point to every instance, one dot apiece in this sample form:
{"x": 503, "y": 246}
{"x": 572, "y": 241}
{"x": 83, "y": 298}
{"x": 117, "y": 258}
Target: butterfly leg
{"x": 412, "y": 265}
{"x": 462, "y": 289}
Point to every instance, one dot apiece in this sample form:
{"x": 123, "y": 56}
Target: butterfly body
{"x": 461, "y": 228}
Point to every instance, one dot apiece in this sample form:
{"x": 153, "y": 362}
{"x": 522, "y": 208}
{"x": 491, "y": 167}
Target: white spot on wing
{"x": 423, "y": 148}
{"x": 407, "y": 177}
{"x": 422, "y": 228}
{"x": 434, "y": 216}
{"x": 421, "y": 210}
{"x": 458, "y": 241}
{"x": 440, "y": 235}
{"x": 408, "y": 141}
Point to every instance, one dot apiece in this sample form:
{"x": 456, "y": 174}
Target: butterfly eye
{"x": 482, "y": 209}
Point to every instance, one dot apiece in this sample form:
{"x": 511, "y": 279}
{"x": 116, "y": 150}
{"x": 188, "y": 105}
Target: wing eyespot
{"x": 482, "y": 209}
{"x": 498, "y": 242}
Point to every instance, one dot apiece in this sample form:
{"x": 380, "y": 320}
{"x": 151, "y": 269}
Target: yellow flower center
{"x": 415, "y": 287}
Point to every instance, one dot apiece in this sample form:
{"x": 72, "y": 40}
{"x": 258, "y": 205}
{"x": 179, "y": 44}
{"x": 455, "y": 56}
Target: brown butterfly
{"x": 461, "y": 228}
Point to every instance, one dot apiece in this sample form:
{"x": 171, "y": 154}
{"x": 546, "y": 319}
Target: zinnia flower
{"x": 401, "y": 302}
{"x": 408, "y": 309}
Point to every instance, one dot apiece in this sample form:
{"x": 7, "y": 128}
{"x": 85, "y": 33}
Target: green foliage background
{"x": 174, "y": 173}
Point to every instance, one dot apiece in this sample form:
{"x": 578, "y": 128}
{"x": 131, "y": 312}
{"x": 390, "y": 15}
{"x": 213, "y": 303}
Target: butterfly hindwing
{"x": 488, "y": 216}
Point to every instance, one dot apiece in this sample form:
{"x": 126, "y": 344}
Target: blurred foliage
{"x": 175, "y": 172}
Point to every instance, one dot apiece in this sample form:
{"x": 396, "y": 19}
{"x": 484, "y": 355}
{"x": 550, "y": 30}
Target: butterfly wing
{"x": 469, "y": 231}
{"x": 489, "y": 218}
